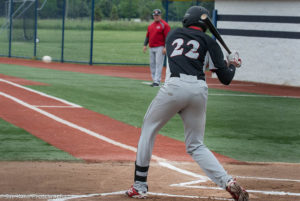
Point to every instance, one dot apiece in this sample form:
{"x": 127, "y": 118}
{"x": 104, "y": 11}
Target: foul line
{"x": 41, "y": 93}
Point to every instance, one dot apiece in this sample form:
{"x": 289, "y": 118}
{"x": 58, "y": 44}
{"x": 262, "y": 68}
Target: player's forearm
{"x": 146, "y": 41}
{"x": 225, "y": 75}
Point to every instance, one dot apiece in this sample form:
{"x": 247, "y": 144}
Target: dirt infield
{"x": 104, "y": 181}
{"x": 175, "y": 179}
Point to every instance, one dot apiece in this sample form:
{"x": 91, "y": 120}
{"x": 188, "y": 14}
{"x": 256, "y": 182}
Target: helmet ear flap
{"x": 203, "y": 26}
{"x": 184, "y": 22}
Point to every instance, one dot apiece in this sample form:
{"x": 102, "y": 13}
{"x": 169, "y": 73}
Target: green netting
{"x": 49, "y": 29}
{"x": 64, "y": 28}
{"x": 23, "y": 26}
{"x": 4, "y": 25}
{"x": 78, "y": 31}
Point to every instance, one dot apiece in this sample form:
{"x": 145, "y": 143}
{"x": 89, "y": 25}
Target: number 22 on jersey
{"x": 192, "y": 53}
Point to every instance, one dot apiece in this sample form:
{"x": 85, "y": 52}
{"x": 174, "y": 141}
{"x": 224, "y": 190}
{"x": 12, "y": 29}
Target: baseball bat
{"x": 214, "y": 31}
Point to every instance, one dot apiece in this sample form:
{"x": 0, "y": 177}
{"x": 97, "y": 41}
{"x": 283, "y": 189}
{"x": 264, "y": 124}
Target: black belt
{"x": 199, "y": 77}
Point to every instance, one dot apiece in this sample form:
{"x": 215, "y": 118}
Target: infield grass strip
{"x": 256, "y": 128}
{"x": 18, "y": 145}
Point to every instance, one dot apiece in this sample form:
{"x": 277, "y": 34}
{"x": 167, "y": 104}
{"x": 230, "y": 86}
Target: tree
{"x": 129, "y": 8}
{"x": 114, "y": 13}
{"x": 146, "y": 7}
{"x": 145, "y": 13}
{"x": 98, "y": 14}
{"x": 52, "y": 9}
{"x": 106, "y": 6}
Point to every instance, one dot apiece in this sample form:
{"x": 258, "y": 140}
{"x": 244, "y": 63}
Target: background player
{"x": 156, "y": 37}
{"x": 185, "y": 92}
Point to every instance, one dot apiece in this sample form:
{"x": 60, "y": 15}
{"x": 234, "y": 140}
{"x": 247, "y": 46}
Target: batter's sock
{"x": 140, "y": 173}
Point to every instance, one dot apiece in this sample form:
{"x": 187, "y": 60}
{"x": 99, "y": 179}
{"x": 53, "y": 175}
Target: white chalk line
{"x": 242, "y": 85}
{"x": 253, "y": 95}
{"x": 268, "y": 179}
{"x": 161, "y": 161}
{"x": 69, "y": 197}
{"x": 147, "y": 83}
{"x": 189, "y": 185}
{"x": 40, "y": 93}
{"x": 54, "y": 106}
{"x": 282, "y": 193}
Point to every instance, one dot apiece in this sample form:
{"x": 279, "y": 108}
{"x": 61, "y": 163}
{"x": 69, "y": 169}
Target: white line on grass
{"x": 242, "y": 85}
{"x": 147, "y": 83}
{"x": 54, "y": 106}
{"x": 40, "y": 93}
{"x": 253, "y": 95}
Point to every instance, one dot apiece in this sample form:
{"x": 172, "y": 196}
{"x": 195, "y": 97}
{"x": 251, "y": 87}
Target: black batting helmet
{"x": 193, "y": 17}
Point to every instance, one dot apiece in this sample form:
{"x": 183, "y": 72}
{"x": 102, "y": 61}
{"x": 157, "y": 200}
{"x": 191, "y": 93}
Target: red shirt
{"x": 157, "y": 33}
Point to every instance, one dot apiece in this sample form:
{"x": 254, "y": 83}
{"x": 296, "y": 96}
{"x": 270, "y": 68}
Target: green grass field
{"x": 17, "y": 144}
{"x": 256, "y": 128}
{"x": 109, "y": 46}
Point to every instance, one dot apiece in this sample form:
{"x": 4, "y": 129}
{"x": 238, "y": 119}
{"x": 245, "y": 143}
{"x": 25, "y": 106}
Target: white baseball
{"x": 47, "y": 59}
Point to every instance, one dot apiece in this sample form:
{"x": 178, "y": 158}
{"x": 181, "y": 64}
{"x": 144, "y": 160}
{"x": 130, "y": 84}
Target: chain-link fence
{"x": 87, "y": 31}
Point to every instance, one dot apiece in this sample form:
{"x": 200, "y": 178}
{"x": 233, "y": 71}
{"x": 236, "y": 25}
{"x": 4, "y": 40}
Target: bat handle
{"x": 228, "y": 50}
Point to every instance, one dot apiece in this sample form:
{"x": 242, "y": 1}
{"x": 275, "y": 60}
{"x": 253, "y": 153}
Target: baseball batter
{"x": 185, "y": 92}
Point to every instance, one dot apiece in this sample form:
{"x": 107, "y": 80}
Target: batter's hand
{"x": 145, "y": 49}
{"x": 164, "y": 51}
{"x": 234, "y": 59}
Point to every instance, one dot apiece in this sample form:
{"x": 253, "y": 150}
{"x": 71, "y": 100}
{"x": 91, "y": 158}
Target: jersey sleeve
{"x": 225, "y": 74}
{"x": 208, "y": 64}
{"x": 216, "y": 54}
{"x": 166, "y": 30}
{"x": 147, "y": 34}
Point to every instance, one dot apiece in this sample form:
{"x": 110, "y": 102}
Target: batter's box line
{"x": 189, "y": 185}
{"x": 71, "y": 197}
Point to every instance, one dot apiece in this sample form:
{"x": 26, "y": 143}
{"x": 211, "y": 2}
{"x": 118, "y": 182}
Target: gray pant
{"x": 156, "y": 63}
{"x": 188, "y": 97}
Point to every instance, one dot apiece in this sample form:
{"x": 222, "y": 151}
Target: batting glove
{"x": 234, "y": 59}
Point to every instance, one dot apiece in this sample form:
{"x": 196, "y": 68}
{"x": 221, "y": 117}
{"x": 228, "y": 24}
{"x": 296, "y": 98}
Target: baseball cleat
{"x": 236, "y": 191}
{"x": 133, "y": 193}
{"x": 154, "y": 84}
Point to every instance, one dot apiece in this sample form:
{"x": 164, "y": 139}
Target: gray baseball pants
{"x": 156, "y": 63}
{"x": 186, "y": 96}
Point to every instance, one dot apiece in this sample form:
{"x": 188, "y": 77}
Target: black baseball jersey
{"x": 186, "y": 51}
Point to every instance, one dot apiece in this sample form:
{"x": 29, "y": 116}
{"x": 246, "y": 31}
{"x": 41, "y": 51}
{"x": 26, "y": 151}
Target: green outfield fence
{"x": 84, "y": 31}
